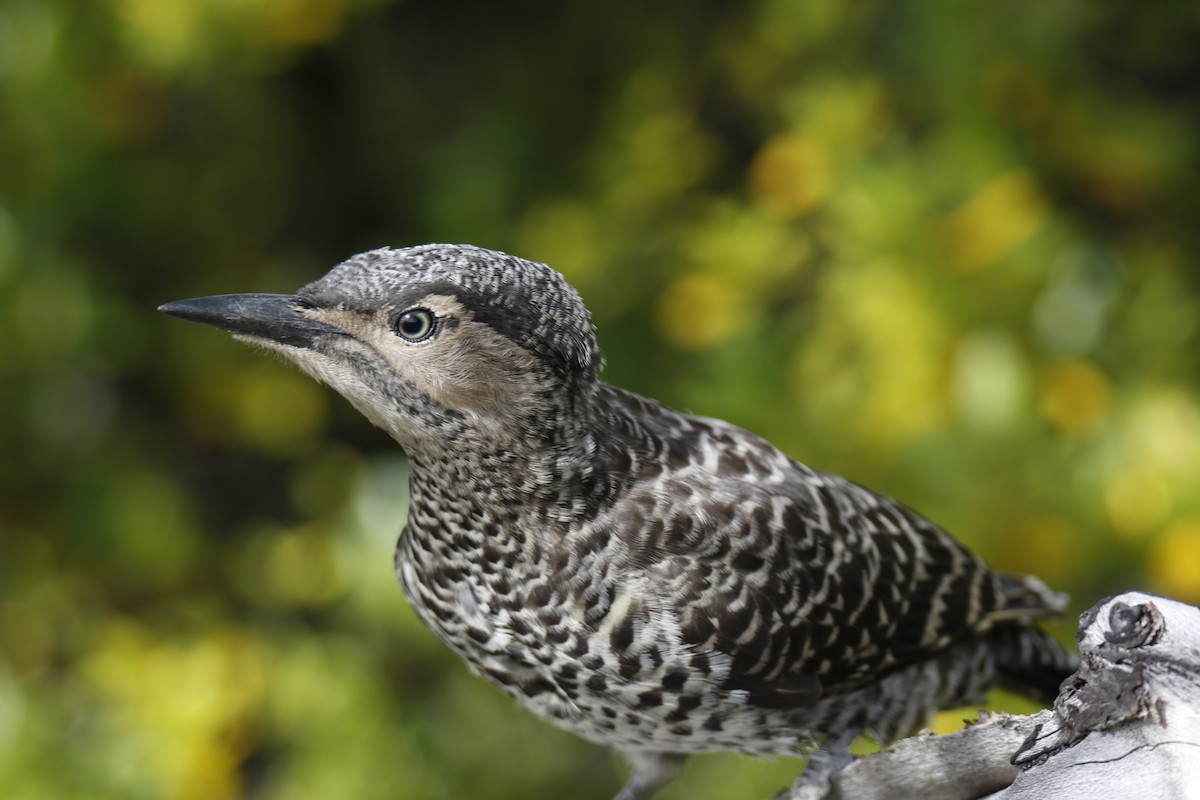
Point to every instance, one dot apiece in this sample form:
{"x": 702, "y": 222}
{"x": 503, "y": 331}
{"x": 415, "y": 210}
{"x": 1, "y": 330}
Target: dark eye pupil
{"x": 415, "y": 324}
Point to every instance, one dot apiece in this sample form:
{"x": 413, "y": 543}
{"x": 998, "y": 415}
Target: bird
{"x": 655, "y": 582}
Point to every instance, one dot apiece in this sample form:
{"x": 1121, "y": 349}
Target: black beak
{"x": 274, "y": 317}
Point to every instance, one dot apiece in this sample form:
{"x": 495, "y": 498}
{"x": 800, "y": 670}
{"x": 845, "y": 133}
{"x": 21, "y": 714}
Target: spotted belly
{"x": 638, "y": 688}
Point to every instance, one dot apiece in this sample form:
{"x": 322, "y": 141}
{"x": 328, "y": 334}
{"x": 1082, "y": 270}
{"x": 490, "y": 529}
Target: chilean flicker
{"x": 660, "y": 583}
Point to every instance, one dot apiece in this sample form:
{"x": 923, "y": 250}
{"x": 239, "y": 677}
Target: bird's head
{"x": 427, "y": 342}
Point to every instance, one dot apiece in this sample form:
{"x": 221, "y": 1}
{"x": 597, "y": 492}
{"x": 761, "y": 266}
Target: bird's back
{"x": 776, "y": 585}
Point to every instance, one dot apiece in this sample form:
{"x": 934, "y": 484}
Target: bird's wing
{"x": 805, "y": 582}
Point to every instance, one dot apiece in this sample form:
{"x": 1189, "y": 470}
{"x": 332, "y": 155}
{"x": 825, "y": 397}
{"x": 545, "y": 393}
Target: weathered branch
{"x": 1126, "y": 725}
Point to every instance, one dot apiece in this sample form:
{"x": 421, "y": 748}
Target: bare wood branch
{"x": 1126, "y": 725}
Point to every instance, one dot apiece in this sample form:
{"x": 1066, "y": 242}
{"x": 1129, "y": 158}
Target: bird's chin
{"x": 268, "y": 346}
{"x": 339, "y": 376}
{"x": 289, "y": 354}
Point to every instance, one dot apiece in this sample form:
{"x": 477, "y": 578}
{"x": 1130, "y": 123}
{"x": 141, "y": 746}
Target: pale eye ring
{"x": 415, "y": 325}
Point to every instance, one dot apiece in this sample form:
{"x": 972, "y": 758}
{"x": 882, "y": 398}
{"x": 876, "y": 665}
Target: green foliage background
{"x": 946, "y": 249}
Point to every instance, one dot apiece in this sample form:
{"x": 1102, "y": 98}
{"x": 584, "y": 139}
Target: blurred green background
{"x": 948, "y": 250}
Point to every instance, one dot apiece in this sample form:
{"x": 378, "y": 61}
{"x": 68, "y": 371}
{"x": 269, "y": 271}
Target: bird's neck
{"x": 575, "y": 456}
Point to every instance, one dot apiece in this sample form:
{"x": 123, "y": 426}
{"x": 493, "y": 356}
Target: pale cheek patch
{"x": 472, "y": 368}
{"x": 467, "y": 367}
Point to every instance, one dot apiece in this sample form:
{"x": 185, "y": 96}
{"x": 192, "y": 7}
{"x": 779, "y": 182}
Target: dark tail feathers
{"x": 1027, "y": 598}
{"x": 1029, "y": 660}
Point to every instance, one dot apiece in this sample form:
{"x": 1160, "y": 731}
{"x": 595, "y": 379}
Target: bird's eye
{"x": 416, "y": 324}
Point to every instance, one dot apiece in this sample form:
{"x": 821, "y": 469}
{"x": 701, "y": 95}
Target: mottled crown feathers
{"x": 528, "y": 302}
